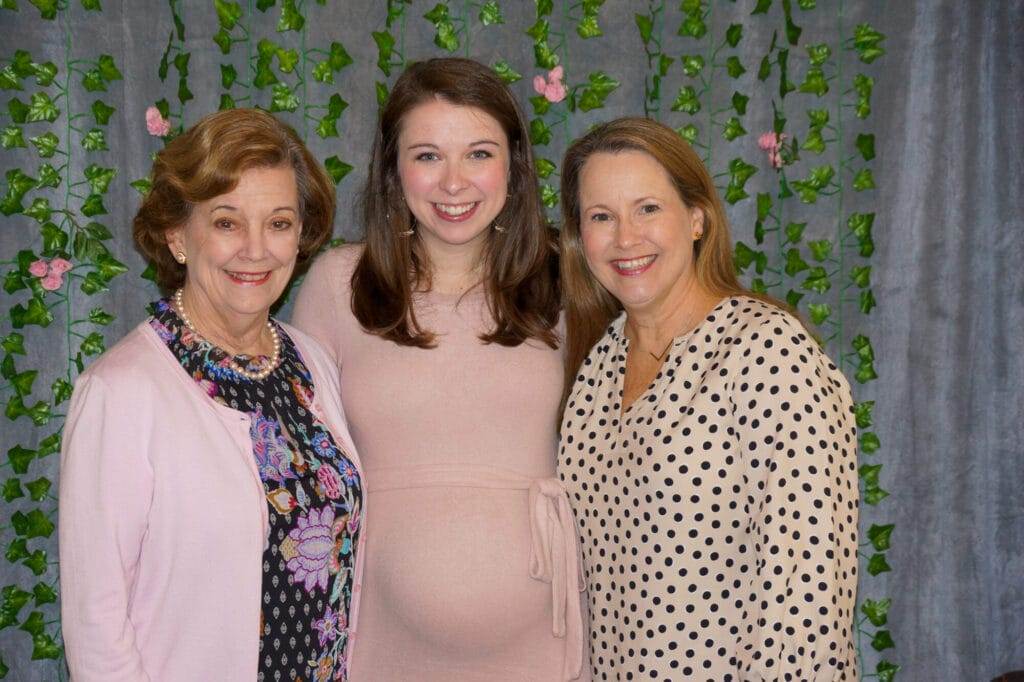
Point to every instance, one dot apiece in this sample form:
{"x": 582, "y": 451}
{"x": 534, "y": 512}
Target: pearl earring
{"x": 180, "y": 257}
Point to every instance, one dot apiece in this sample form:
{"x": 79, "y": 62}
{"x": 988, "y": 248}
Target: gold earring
{"x": 180, "y": 257}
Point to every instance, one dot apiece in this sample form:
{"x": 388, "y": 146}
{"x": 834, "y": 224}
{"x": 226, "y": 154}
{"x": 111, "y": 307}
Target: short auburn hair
{"x": 208, "y": 160}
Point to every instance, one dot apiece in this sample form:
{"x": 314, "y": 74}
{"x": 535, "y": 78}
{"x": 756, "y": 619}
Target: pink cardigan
{"x": 163, "y": 520}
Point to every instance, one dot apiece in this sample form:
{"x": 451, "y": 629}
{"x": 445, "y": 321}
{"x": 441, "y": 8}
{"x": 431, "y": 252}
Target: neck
{"x": 454, "y": 270}
{"x": 236, "y": 334}
{"x": 653, "y": 328}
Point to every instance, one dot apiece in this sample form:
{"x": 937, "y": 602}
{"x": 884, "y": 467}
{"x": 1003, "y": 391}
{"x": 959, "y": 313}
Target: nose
{"x": 453, "y": 180}
{"x": 254, "y": 246}
{"x": 627, "y": 233}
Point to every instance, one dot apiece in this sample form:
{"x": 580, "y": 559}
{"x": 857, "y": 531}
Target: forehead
{"x": 262, "y": 183}
{"x": 626, "y": 173}
{"x": 440, "y": 122}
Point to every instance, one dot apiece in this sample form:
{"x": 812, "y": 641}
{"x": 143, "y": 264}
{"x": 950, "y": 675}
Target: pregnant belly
{"x": 448, "y": 569}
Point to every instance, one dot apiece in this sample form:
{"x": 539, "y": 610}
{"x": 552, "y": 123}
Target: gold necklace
{"x": 258, "y": 375}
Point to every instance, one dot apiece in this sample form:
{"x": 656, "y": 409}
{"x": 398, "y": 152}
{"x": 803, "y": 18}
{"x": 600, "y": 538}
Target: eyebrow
{"x": 430, "y": 145}
{"x": 229, "y": 207}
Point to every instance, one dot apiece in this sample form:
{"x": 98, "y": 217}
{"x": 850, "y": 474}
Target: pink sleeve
{"x": 105, "y": 492}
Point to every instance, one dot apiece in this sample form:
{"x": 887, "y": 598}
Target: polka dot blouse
{"x": 718, "y": 513}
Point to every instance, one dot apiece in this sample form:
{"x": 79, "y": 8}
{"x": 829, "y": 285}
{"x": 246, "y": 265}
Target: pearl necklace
{"x": 260, "y": 375}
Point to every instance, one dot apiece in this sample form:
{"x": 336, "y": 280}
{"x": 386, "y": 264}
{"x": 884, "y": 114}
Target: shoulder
{"x": 334, "y": 267}
{"x": 312, "y": 351}
{"x": 129, "y": 360}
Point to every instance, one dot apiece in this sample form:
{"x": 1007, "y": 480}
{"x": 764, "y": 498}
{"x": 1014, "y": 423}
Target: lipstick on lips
{"x": 455, "y": 213}
{"x": 248, "y": 278}
{"x": 631, "y": 267}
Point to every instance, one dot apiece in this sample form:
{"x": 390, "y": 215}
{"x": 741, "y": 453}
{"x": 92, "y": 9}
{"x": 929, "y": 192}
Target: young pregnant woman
{"x": 445, "y": 327}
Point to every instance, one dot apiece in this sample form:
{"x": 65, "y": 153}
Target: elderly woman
{"x": 445, "y": 326}
{"x": 210, "y": 495}
{"x": 708, "y": 445}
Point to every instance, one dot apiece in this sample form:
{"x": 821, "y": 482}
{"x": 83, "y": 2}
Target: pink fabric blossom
{"x": 52, "y": 281}
{"x": 329, "y": 480}
{"x": 60, "y": 265}
{"x": 771, "y": 142}
{"x": 552, "y": 87}
{"x": 156, "y": 124}
{"x": 38, "y": 268}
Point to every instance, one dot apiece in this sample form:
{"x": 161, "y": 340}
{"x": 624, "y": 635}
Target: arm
{"x": 317, "y": 311}
{"x": 105, "y": 492}
{"x": 795, "y": 428}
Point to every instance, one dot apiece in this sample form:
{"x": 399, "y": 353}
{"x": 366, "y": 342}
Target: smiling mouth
{"x": 455, "y": 212}
{"x": 249, "y": 278}
{"x": 633, "y": 266}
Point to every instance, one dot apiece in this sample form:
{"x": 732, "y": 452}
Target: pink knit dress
{"x": 471, "y": 561}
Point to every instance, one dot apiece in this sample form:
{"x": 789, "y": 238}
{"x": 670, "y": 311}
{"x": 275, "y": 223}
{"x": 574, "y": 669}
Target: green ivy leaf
{"x": 22, "y": 382}
{"x": 93, "y": 81}
{"x": 226, "y": 102}
{"x": 734, "y": 67}
{"x": 36, "y": 562}
{"x": 18, "y": 110}
{"x": 866, "y": 40}
{"x": 446, "y": 37}
{"x": 61, "y": 391}
{"x": 544, "y": 167}
{"x": 14, "y": 598}
{"x": 861, "y": 275}
{"x": 43, "y": 647}
{"x": 283, "y": 99}
{"x": 327, "y": 127}
{"x": 13, "y": 281}
{"x": 664, "y": 62}
{"x": 490, "y": 14}
{"x": 795, "y": 263}
{"x": 93, "y": 205}
{"x": 287, "y": 59}
{"x": 881, "y": 536}
{"x": 228, "y": 13}
{"x": 38, "y": 488}
{"x": 13, "y": 343}
{"x": 337, "y": 168}
{"x": 94, "y": 140}
{"x": 338, "y": 57}
{"x": 821, "y": 249}
{"x": 877, "y": 564}
{"x": 867, "y": 301}
{"x": 876, "y": 611}
{"x": 817, "y": 280}
{"x": 92, "y": 5}
{"x": 733, "y": 129}
{"x": 863, "y": 85}
{"x": 764, "y": 205}
{"x": 45, "y": 73}
{"x": 544, "y": 7}
{"x": 739, "y": 103}
{"x": 548, "y": 196}
{"x": 692, "y": 64}
{"x": 382, "y": 93}
{"x": 9, "y": 79}
{"x": 687, "y": 100}
{"x": 814, "y": 82}
{"x": 322, "y": 72}
{"x": 291, "y": 19}
{"x": 734, "y": 34}
{"x": 819, "y": 312}
{"x": 44, "y": 594}
{"x": 807, "y": 4}
{"x": 264, "y": 74}
{"x": 47, "y": 8}
{"x": 35, "y": 524}
{"x": 688, "y": 132}
{"x": 863, "y": 180}
{"x": 693, "y": 26}
{"x": 48, "y": 176}
{"x": 42, "y": 108}
{"x": 865, "y": 373}
{"x": 540, "y": 132}
{"x": 18, "y": 549}
{"x": 599, "y": 86}
{"x": 866, "y": 145}
{"x": 385, "y": 48}
{"x": 35, "y": 313}
{"x": 142, "y": 185}
{"x": 818, "y": 54}
{"x": 882, "y": 641}
{"x": 45, "y": 144}
{"x": 762, "y": 7}
{"x": 48, "y": 445}
{"x": 506, "y": 72}
{"x": 10, "y": 492}
{"x": 99, "y": 178}
{"x": 886, "y": 671}
{"x": 588, "y": 28}
{"x": 438, "y": 14}
{"x": 814, "y": 142}
{"x": 102, "y": 112}
{"x": 544, "y": 56}
{"x": 228, "y": 75}
{"x": 223, "y": 40}
{"x": 645, "y": 25}
{"x": 862, "y": 413}
{"x": 785, "y": 86}
{"x": 107, "y": 68}
{"x": 869, "y": 443}
{"x": 10, "y": 137}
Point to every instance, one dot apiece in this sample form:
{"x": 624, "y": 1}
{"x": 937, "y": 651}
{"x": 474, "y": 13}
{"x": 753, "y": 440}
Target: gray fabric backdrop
{"x": 949, "y": 120}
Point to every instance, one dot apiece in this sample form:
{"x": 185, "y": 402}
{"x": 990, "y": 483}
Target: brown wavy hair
{"x": 206, "y": 161}
{"x": 520, "y": 265}
{"x": 589, "y": 308}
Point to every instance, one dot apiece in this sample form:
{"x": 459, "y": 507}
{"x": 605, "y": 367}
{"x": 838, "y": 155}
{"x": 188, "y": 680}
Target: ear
{"x": 697, "y": 222}
{"x": 176, "y": 241}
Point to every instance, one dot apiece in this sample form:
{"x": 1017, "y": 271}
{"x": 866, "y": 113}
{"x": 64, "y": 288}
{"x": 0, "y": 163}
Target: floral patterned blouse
{"x": 314, "y": 497}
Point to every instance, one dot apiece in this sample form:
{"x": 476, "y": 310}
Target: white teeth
{"x": 633, "y": 264}
{"x": 248, "y": 276}
{"x": 454, "y": 209}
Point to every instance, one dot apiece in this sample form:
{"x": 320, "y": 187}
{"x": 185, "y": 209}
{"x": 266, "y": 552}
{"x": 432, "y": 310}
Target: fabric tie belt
{"x": 554, "y": 554}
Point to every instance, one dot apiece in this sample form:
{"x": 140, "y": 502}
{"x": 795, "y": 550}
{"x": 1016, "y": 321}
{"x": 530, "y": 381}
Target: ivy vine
{"x": 67, "y": 257}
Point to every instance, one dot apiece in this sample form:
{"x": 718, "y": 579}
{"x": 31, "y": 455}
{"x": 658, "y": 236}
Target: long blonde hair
{"x": 589, "y": 308}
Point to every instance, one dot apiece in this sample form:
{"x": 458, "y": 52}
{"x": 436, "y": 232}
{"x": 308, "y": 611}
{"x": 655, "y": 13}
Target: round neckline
{"x": 620, "y": 329}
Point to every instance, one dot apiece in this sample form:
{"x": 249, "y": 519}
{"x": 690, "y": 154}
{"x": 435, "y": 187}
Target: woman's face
{"x": 241, "y": 247}
{"x": 637, "y": 233}
{"x": 453, "y": 162}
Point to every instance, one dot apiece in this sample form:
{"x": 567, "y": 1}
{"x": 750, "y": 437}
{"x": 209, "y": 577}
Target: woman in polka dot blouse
{"x": 708, "y": 444}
